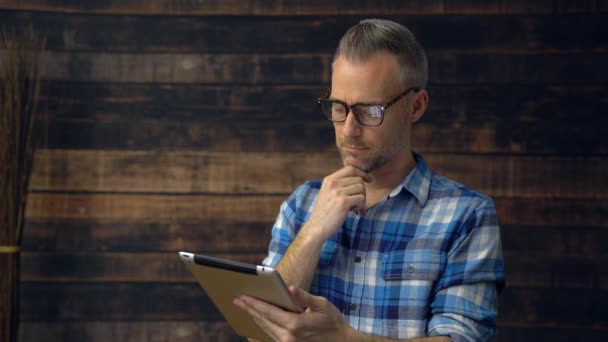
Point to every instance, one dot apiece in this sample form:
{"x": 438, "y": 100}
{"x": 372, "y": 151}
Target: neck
{"x": 389, "y": 175}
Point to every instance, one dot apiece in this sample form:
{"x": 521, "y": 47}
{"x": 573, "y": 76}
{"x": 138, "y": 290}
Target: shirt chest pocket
{"x": 328, "y": 253}
{"x": 412, "y": 265}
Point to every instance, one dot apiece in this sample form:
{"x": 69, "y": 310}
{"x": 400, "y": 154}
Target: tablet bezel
{"x": 224, "y": 280}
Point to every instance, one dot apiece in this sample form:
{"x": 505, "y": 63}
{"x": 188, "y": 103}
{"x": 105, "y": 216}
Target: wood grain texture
{"x": 248, "y": 173}
{"x": 136, "y": 331}
{"x": 58, "y": 302}
{"x": 450, "y": 106}
{"x": 83, "y": 302}
{"x": 583, "y": 68}
{"x": 261, "y": 7}
{"x": 506, "y": 136}
{"x": 118, "y": 267}
{"x": 153, "y": 208}
{"x": 71, "y": 236}
{"x": 255, "y": 209}
{"x": 531, "y": 270}
{"x": 551, "y": 332}
{"x": 186, "y": 68}
{"x": 170, "y": 125}
{"x": 252, "y": 34}
{"x": 462, "y": 119}
{"x": 182, "y": 331}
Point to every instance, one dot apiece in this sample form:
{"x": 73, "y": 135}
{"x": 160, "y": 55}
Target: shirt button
{"x": 411, "y": 269}
{"x": 357, "y": 259}
{"x": 352, "y": 306}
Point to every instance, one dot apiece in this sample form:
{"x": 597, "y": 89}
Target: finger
{"x": 353, "y": 189}
{"x": 271, "y": 328}
{"x": 267, "y": 311}
{"x": 341, "y": 183}
{"x": 353, "y": 171}
{"x": 307, "y": 300}
{"x": 343, "y": 187}
{"x": 357, "y": 202}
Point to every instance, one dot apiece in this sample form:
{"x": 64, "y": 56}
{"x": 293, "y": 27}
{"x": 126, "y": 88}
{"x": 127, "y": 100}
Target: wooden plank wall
{"x": 170, "y": 125}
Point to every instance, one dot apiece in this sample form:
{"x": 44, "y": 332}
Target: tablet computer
{"x": 224, "y": 280}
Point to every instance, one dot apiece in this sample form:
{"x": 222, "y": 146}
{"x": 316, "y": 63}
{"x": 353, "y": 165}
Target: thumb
{"x": 306, "y": 300}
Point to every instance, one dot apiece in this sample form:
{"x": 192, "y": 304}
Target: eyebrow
{"x": 378, "y": 103}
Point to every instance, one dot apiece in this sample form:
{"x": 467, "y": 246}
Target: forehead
{"x": 372, "y": 80}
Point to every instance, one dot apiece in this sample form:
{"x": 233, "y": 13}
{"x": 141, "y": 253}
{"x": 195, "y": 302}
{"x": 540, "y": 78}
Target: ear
{"x": 419, "y": 104}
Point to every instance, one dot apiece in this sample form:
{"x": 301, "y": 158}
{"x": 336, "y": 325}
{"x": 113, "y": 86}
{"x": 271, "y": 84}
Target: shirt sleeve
{"x": 282, "y": 234}
{"x": 294, "y": 211}
{"x": 465, "y": 304}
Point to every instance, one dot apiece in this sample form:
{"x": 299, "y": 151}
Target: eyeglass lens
{"x": 365, "y": 114}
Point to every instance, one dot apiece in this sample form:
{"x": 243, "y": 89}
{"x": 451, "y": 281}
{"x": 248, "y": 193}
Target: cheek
{"x": 337, "y": 132}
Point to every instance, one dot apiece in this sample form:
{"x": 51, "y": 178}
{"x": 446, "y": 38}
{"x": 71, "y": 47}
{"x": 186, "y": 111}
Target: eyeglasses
{"x": 365, "y": 114}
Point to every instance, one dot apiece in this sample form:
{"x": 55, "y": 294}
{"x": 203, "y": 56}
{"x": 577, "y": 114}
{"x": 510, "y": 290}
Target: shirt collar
{"x": 417, "y": 182}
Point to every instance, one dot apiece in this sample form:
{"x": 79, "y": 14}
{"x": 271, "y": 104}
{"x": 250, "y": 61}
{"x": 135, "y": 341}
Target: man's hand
{"x": 321, "y": 321}
{"x": 341, "y": 191}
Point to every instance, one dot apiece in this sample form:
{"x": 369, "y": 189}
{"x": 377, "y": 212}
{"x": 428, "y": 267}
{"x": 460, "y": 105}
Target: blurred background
{"x": 170, "y": 125}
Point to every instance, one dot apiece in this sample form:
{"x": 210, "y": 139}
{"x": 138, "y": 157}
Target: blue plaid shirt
{"x": 426, "y": 260}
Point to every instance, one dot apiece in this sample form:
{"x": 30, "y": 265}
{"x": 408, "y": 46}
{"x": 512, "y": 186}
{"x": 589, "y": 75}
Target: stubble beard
{"x": 378, "y": 159}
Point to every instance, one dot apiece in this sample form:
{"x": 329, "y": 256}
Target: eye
{"x": 374, "y": 112}
{"x": 338, "y": 108}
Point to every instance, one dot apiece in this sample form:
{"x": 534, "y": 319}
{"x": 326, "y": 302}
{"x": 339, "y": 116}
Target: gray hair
{"x": 371, "y": 36}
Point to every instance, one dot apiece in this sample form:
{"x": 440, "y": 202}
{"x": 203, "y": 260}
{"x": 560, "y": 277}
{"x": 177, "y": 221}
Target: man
{"x": 383, "y": 248}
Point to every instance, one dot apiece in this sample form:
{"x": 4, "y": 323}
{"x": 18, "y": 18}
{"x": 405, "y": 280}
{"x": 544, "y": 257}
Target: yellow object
{"x": 9, "y": 249}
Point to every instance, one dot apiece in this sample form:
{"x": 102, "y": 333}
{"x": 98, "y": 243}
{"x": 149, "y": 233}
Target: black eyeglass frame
{"x": 349, "y": 109}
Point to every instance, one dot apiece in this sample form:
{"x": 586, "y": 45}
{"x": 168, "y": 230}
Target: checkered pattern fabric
{"x": 426, "y": 260}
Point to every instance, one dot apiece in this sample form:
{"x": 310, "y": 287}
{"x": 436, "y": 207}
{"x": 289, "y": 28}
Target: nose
{"x": 351, "y": 127}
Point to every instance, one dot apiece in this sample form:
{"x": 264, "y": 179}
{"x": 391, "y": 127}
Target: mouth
{"x": 354, "y": 149}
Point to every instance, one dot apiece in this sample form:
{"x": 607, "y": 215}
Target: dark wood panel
{"x": 132, "y": 331}
{"x": 118, "y": 267}
{"x": 187, "y": 68}
{"x": 248, "y": 173}
{"x": 510, "y": 105}
{"x": 248, "y": 136}
{"x": 153, "y": 208}
{"x": 55, "y": 302}
{"x": 555, "y": 240}
{"x": 500, "y": 118}
{"x": 530, "y": 269}
{"x": 44, "y": 301}
{"x": 497, "y": 6}
{"x": 569, "y": 6}
{"x": 585, "y": 68}
{"x": 574, "y": 307}
{"x": 146, "y": 208}
{"x": 506, "y": 136}
{"x": 178, "y": 171}
{"x": 281, "y": 34}
{"x": 534, "y": 269}
{"x": 573, "y": 212}
{"x": 118, "y": 102}
{"x": 223, "y": 237}
{"x": 71, "y": 236}
{"x": 551, "y": 332}
{"x": 183, "y": 331}
{"x": 261, "y": 7}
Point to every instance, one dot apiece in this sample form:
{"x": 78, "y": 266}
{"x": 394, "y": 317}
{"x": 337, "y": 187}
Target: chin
{"x": 350, "y": 161}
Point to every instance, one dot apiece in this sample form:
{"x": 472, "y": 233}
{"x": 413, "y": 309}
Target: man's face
{"x": 375, "y": 81}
